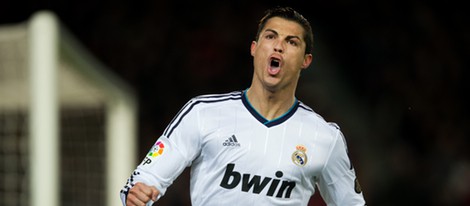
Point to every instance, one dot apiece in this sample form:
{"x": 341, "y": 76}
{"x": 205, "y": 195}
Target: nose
{"x": 278, "y": 50}
{"x": 278, "y": 47}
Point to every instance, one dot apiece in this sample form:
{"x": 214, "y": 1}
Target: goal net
{"x": 67, "y": 124}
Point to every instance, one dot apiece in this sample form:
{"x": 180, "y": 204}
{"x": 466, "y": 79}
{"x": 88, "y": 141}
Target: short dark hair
{"x": 289, "y": 14}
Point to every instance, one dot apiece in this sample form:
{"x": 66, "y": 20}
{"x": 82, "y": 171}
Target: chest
{"x": 291, "y": 148}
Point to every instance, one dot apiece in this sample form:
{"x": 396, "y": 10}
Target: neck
{"x": 270, "y": 104}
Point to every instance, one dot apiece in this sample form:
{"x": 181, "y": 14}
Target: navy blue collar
{"x": 264, "y": 121}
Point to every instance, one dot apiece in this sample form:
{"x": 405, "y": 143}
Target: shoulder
{"x": 328, "y": 132}
{"x": 191, "y": 111}
{"x": 316, "y": 118}
{"x": 210, "y": 100}
{"x": 218, "y": 97}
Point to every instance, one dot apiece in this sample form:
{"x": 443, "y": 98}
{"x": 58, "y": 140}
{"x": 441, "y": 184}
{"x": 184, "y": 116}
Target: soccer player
{"x": 259, "y": 146}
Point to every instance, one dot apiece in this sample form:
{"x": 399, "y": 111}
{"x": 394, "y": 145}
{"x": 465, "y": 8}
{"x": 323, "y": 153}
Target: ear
{"x": 308, "y": 58}
{"x": 253, "y": 48}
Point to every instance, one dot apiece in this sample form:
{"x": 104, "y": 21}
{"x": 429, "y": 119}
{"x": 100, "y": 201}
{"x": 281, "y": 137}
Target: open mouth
{"x": 274, "y": 66}
{"x": 275, "y": 62}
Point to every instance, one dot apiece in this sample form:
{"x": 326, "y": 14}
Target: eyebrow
{"x": 288, "y": 36}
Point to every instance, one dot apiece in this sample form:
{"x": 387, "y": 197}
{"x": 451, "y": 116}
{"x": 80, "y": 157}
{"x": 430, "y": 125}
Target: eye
{"x": 293, "y": 42}
{"x": 269, "y": 36}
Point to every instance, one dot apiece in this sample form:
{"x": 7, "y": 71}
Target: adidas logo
{"x": 231, "y": 142}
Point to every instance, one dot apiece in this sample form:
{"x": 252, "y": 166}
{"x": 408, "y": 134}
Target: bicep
{"x": 337, "y": 182}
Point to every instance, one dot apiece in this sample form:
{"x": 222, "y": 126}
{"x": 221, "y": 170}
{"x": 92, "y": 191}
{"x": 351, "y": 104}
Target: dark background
{"x": 392, "y": 74}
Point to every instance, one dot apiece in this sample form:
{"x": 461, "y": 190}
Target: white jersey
{"x": 237, "y": 157}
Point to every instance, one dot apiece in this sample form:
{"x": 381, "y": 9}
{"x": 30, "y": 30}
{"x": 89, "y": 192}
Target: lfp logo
{"x": 156, "y": 151}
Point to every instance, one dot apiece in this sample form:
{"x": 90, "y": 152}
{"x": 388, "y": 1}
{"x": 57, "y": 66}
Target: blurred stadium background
{"x": 393, "y": 74}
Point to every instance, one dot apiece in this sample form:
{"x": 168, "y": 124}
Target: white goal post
{"x": 67, "y": 124}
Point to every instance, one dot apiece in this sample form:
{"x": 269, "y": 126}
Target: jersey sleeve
{"x": 338, "y": 183}
{"x": 174, "y": 150}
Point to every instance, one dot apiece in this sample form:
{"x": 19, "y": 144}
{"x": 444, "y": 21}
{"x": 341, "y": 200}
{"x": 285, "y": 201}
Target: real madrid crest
{"x": 299, "y": 157}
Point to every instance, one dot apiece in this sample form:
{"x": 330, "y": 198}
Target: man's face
{"x": 279, "y": 54}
